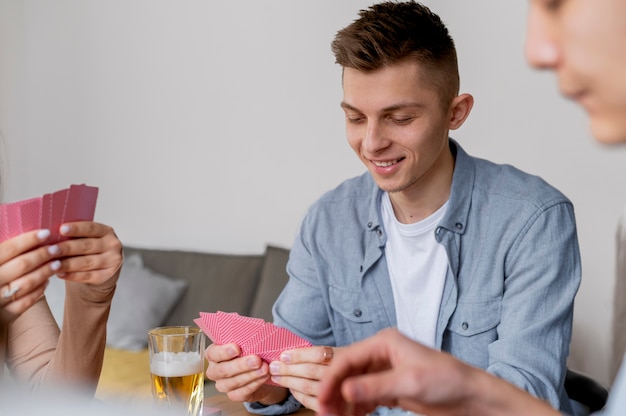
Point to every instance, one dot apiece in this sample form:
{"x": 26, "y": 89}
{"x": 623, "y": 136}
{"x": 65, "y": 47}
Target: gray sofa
{"x": 247, "y": 284}
{"x": 170, "y": 287}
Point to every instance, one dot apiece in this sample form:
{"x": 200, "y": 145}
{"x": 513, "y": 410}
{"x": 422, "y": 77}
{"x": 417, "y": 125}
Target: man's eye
{"x": 402, "y": 120}
{"x": 354, "y": 118}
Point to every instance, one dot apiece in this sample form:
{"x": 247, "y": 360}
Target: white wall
{"x": 214, "y": 125}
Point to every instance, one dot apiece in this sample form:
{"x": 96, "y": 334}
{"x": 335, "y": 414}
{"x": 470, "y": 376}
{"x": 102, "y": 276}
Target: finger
{"x": 236, "y": 367}
{"x": 243, "y": 387}
{"x": 85, "y": 229}
{"x": 21, "y": 244}
{"x": 304, "y": 386}
{"x": 28, "y": 262}
{"x": 317, "y": 354}
{"x": 377, "y": 387}
{"x": 107, "y": 243}
{"x": 20, "y": 305}
{"x": 305, "y": 372}
{"x": 92, "y": 262}
{"x": 219, "y": 353}
{"x": 26, "y": 283}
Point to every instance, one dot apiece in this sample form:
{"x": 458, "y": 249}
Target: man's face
{"x": 396, "y": 125}
{"x": 584, "y": 42}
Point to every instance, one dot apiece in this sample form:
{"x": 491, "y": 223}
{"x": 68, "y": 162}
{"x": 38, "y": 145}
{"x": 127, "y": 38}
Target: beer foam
{"x": 176, "y": 364}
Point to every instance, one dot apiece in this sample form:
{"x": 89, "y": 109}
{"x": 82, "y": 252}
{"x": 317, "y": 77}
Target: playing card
{"x": 4, "y": 223}
{"x": 207, "y": 322}
{"x": 252, "y": 345}
{"x": 14, "y": 222}
{"x": 227, "y": 328}
{"x": 46, "y": 211}
{"x": 49, "y": 211}
{"x": 253, "y": 335}
{"x": 59, "y": 199}
{"x": 30, "y": 214}
{"x": 80, "y": 203}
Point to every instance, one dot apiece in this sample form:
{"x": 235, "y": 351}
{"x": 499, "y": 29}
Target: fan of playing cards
{"x": 253, "y": 335}
{"x": 76, "y": 203}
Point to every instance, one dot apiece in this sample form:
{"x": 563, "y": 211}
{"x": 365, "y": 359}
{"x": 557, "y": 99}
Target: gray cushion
{"x": 273, "y": 279}
{"x": 142, "y": 301}
{"x": 226, "y": 282}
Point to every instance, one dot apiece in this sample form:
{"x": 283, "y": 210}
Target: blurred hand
{"x": 241, "y": 378}
{"x": 300, "y": 370}
{"x": 389, "y": 369}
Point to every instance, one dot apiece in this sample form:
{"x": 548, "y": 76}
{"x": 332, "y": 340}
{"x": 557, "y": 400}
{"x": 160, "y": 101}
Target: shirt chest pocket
{"x": 474, "y": 317}
{"x": 351, "y": 315}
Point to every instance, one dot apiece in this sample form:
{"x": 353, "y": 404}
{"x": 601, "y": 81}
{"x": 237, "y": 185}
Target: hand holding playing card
{"x": 52, "y": 234}
{"x": 77, "y": 203}
{"x": 254, "y": 336}
{"x": 293, "y": 363}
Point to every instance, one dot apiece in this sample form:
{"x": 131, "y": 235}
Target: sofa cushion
{"x": 226, "y": 282}
{"x": 272, "y": 281}
{"x": 142, "y": 301}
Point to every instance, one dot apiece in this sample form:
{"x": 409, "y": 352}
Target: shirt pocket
{"x": 476, "y": 316}
{"x": 472, "y": 327}
{"x": 352, "y": 318}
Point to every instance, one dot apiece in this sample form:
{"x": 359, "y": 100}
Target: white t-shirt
{"x": 417, "y": 268}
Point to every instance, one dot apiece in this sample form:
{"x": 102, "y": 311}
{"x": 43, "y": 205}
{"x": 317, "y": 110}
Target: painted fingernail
{"x": 286, "y": 358}
{"x": 43, "y": 234}
{"x": 52, "y": 250}
{"x": 65, "y": 229}
{"x": 55, "y": 265}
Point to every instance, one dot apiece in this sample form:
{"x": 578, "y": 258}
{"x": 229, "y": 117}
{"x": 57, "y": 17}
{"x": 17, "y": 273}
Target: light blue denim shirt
{"x": 514, "y": 270}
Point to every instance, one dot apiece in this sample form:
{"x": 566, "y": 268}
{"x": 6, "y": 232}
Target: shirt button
{"x": 458, "y": 225}
{"x": 369, "y": 224}
{"x": 357, "y": 313}
{"x": 465, "y": 325}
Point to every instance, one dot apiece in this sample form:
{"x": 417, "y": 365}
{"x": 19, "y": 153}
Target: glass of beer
{"x": 177, "y": 368}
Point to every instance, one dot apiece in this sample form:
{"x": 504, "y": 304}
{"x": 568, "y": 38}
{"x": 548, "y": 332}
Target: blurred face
{"x": 584, "y": 43}
{"x": 396, "y": 125}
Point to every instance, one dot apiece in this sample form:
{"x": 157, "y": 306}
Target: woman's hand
{"x": 25, "y": 267}
{"x": 93, "y": 254}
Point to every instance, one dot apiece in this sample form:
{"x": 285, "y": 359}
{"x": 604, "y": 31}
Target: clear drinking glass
{"x": 177, "y": 368}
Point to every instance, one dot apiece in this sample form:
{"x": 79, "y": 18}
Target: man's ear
{"x": 459, "y": 110}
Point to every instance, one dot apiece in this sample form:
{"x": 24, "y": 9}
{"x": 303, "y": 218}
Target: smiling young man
{"x": 463, "y": 255}
{"x": 582, "y": 41}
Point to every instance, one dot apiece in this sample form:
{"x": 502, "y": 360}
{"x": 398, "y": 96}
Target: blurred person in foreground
{"x": 582, "y": 41}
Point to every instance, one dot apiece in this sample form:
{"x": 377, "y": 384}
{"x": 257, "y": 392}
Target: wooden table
{"x": 230, "y": 408}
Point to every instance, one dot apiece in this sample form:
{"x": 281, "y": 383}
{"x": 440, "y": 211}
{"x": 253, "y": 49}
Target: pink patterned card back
{"x": 48, "y": 211}
{"x": 253, "y": 335}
